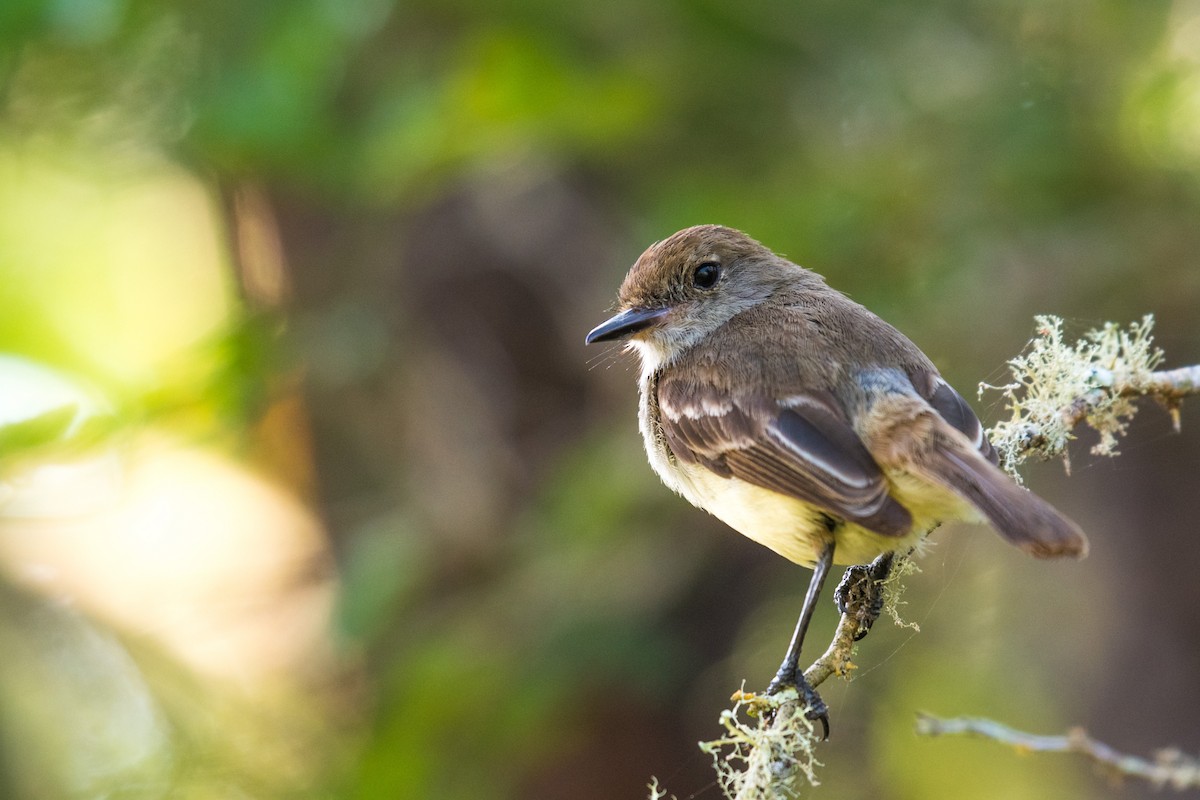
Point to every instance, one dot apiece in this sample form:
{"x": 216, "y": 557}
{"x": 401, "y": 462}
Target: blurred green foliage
{"x": 457, "y": 188}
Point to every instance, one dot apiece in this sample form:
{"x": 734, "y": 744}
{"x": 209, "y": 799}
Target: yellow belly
{"x": 795, "y": 529}
{"x": 792, "y": 528}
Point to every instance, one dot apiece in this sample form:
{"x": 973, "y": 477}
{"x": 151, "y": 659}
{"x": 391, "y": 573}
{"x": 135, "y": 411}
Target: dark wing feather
{"x": 951, "y": 406}
{"x": 804, "y": 449}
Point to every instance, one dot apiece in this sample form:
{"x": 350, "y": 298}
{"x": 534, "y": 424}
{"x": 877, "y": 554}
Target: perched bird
{"x": 804, "y": 421}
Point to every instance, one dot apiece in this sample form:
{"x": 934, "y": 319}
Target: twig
{"x": 1168, "y": 386}
{"x": 764, "y": 760}
{"x": 1169, "y": 767}
{"x": 836, "y": 658}
{"x": 1058, "y": 385}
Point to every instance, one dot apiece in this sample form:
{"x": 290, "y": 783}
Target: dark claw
{"x": 824, "y": 727}
{"x": 816, "y": 708}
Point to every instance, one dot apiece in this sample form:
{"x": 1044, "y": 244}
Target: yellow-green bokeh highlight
{"x": 118, "y": 273}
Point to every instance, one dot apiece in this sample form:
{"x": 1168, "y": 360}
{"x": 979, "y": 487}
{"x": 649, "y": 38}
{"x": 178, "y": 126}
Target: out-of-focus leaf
{"x": 45, "y": 428}
{"x": 43, "y": 411}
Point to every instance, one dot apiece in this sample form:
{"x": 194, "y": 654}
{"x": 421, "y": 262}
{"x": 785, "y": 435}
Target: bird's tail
{"x": 1017, "y": 514}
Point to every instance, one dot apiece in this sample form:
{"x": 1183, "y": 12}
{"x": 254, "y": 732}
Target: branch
{"x": 1169, "y": 767}
{"x": 1057, "y": 386}
{"x": 763, "y": 759}
{"x": 1169, "y": 386}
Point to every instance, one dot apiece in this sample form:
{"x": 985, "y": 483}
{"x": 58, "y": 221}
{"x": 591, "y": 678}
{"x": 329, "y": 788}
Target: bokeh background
{"x": 309, "y": 487}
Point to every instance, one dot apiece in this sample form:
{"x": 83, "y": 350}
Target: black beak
{"x": 625, "y": 323}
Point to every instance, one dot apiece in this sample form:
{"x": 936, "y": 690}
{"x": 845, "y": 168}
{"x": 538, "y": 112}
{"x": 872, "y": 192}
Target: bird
{"x": 804, "y": 421}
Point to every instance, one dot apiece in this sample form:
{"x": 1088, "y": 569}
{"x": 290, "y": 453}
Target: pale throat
{"x": 658, "y": 348}
{"x": 652, "y": 355}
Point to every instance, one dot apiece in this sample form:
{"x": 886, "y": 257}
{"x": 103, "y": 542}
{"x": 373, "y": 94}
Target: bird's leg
{"x": 789, "y": 673}
{"x": 860, "y": 592}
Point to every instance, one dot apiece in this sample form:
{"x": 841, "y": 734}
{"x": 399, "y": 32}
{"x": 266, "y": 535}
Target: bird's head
{"x": 689, "y": 285}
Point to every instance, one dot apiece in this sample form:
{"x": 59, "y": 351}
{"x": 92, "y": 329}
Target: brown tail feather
{"x": 1018, "y": 515}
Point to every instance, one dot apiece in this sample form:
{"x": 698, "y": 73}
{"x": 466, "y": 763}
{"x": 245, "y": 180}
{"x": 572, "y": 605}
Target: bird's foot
{"x": 815, "y": 708}
{"x": 860, "y": 594}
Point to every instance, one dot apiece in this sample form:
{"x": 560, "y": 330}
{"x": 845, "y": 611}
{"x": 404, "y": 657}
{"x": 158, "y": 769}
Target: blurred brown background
{"x": 309, "y": 487}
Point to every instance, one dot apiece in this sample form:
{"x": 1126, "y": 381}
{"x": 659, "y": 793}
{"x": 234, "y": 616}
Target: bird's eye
{"x": 706, "y": 275}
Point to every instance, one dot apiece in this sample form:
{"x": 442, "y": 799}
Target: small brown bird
{"x": 803, "y": 420}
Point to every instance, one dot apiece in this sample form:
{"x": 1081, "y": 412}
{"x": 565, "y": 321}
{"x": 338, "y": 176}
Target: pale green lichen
{"x": 893, "y": 590}
{"x": 657, "y": 792}
{"x": 769, "y": 745}
{"x": 763, "y": 756}
{"x": 1056, "y": 385}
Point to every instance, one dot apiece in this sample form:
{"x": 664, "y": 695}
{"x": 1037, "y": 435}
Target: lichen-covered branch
{"x": 764, "y": 755}
{"x": 1058, "y": 385}
{"x": 1170, "y": 385}
{"x": 836, "y": 658}
{"x": 769, "y": 743}
{"x": 1169, "y": 768}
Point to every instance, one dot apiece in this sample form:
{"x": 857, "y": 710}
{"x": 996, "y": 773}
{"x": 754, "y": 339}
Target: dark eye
{"x": 706, "y": 275}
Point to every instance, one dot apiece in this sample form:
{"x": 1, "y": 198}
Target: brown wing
{"x": 802, "y": 448}
{"x": 954, "y": 409}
